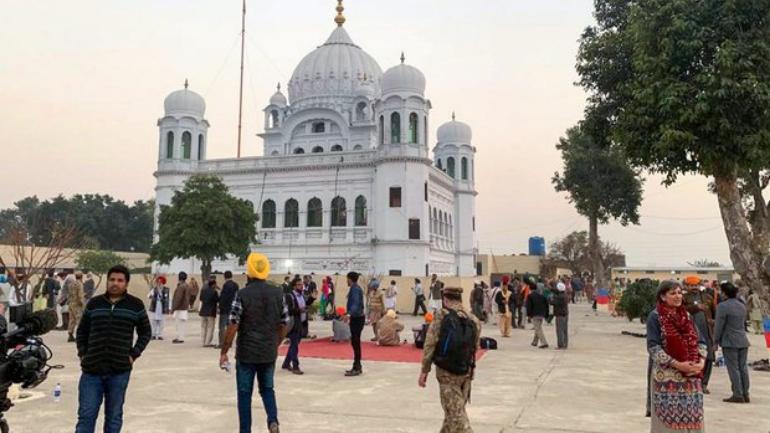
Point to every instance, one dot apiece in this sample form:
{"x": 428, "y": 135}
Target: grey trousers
{"x": 737, "y": 369}
{"x": 537, "y": 322}
{"x": 562, "y": 332}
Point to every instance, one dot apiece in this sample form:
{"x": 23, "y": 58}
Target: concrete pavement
{"x": 597, "y": 386}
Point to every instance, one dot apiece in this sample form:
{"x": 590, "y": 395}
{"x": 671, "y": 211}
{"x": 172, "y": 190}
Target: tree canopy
{"x": 206, "y": 222}
{"x": 100, "y": 221}
{"x": 98, "y": 262}
{"x": 683, "y": 87}
{"x": 572, "y": 252}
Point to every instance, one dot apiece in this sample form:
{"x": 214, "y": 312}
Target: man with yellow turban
{"x": 259, "y": 318}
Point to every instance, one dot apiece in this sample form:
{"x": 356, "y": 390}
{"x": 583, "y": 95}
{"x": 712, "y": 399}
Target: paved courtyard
{"x": 597, "y": 386}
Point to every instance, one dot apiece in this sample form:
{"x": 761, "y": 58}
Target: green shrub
{"x": 638, "y": 299}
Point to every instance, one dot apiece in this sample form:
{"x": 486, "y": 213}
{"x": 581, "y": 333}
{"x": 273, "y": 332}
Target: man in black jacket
{"x": 537, "y": 310}
{"x": 208, "y": 311}
{"x": 226, "y": 298}
{"x": 107, "y": 351}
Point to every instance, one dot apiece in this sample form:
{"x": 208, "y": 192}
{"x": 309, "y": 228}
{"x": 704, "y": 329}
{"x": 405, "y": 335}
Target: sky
{"x": 82, "y": 86}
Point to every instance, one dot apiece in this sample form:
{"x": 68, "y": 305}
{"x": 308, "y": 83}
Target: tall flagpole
{"x": 240, "y": 91}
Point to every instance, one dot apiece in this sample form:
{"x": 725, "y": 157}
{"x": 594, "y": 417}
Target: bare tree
{"x": 31, "y": 260}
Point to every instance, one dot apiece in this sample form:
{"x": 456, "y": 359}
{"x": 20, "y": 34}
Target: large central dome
{"x": 335, "y": 69}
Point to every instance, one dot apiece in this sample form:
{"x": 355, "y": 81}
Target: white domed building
{"x": 347, "y": 180}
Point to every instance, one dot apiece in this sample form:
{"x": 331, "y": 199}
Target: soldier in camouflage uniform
{"x": 455, "y": 389}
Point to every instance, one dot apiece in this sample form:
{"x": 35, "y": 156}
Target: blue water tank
{"x": 536, "y": 246}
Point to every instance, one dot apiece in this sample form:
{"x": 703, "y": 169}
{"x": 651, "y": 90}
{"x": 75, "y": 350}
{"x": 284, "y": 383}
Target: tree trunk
{"x": 747, "y": 263}
{"x": 205, "y": 270}
{"x": 597, "y": 267}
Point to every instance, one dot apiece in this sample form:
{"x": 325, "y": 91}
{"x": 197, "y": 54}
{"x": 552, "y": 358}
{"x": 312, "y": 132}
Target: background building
{"x": 347, "y": 180}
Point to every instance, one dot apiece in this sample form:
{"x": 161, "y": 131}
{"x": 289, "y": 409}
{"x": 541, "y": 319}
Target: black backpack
{"x": 456, "y": 348}
{"x": 488, "y": 343}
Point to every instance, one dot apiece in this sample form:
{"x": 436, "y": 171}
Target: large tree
{"x": 601, "y": 185}
{"x": 206, "y": 222}
{"x": 684, "y": 86}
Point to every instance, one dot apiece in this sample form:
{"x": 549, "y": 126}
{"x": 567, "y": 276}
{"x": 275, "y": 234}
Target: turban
{"x": 257, "y": 266}
{"x": 340, "y": 311}
{"x": 428, "y": 317}
{"x": 692, "y": 280}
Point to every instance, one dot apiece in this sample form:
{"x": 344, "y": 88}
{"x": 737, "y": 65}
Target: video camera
{"x": 23, "y": 354}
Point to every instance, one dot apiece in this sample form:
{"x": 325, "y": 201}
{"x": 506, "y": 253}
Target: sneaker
{"x": 734, "y": 399}
{"x": 354, "y": 372}
{"x": 297, "y": 371}
{"x": 273, "y": 428}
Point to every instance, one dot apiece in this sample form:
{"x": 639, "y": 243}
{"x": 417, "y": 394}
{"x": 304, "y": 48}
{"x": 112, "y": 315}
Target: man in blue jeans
{"x": 258, "y": 317}
{"x": 107, "y": 351}
{"x": 356, "y": 319}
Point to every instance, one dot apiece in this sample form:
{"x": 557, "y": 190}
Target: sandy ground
{"x": 598, "y": 385}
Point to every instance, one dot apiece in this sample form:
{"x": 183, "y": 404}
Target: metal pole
{"x": 240, "y": 90}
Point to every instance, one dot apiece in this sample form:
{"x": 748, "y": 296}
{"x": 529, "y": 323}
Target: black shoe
{"x": 734, "y": 399}
{"x": 273, "y": 428}
{"x": 545, "y": 346}
{"x": 297, "y": 371}
{"x": 154, "y": 338}
{"x": 354, "y": 372}
{"x": 285, "y": 367}
{"x": 706, "y": 391}
{"x": 746, "y": 399}
{"x": 70, "y": 339}
{"x": 534, "y": 344}
{"x": 177, "y": 341}
{"x": 159, "y": 338}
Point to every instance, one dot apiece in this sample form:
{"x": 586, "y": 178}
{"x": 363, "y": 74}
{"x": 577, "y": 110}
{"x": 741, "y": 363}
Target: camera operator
{"x": 107, "y": 351}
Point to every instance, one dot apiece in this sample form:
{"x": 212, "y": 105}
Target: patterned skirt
{"x": 677, "y": 402}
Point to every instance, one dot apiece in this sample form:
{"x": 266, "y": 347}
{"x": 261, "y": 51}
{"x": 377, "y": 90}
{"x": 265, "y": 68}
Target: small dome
{"x": 454, "y": 132}
{"x": 278, "y": 98}
{"x": 185, "y": 101}
{"x": 403, "y": 78}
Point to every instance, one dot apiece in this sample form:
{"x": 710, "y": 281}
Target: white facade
{"x": 346, "y": 181}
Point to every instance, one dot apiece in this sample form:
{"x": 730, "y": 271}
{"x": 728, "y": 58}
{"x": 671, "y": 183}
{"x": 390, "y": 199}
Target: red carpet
{"x": 323, "y": 348}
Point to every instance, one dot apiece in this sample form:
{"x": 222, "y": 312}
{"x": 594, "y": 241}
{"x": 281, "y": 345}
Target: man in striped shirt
{"x": 107, "y": 351}
{"x": 259, "y": 318}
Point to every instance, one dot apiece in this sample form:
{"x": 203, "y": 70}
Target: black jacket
{"x": 165, "y": 302}
{"x": 227, "y": 296}
{"x": 105, "y": 336}
{"x": 537, "y": 305}
{"x": 500, "y": 301}
{"x": 560, "y": 304}
{"x": 209, "y": 301}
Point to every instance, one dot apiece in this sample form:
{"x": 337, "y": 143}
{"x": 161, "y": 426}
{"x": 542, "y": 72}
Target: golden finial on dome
{"x": 186, "y": 83}
{"x": 340, "y": 19}
{"x": 402, "y": 57}
{"x": 453, "y": 116}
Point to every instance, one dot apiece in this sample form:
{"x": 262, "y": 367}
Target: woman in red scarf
{"x": 677, "y": 356}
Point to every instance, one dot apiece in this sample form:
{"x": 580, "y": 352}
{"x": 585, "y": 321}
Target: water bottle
{"x": 57, "y": 393}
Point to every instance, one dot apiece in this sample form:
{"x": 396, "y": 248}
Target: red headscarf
{"x": 680, "y": 339}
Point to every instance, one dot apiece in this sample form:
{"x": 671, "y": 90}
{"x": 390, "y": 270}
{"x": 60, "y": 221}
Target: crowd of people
{"x": 692, "y": 323}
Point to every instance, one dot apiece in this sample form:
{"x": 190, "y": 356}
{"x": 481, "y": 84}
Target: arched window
{"x": 291, "y": 213}
{"x": 450, "y": 167}
{"x": 319, "y": 128}
{"x": 186, "y": 144}
{"x": 268, "y": 215}
{"x": 318, "y": 149}
{"x": 299, "y": 151}
{"x": 464, "y": 168}
{"x": 358, "y": 147}
{"x": 274, "y": 119}
{"x": 275, "y": 153}
{"x": 339, "y": 212}
{"x": 431, "y": 220}
{"x": 314, "y": 213}
{"x": 200, "y": 147}
{"x": 440, "y": 223}
{"x": 440, "y": 165}
{"x": 170, "y": 145}
{"x": 361, "y": 111}
{"x": 382, "y": 129}
{"x": 425, "y": 129}
{"x": 395, "y": 128}
{"x": 435, "y": 221}
{"x": 413, "y": 128}
{"x": 361, "y": 212}
{"x": 336, "y": 148}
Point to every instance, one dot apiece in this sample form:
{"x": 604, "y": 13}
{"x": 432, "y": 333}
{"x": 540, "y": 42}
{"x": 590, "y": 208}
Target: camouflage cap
{"x": 452, "y": 290}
